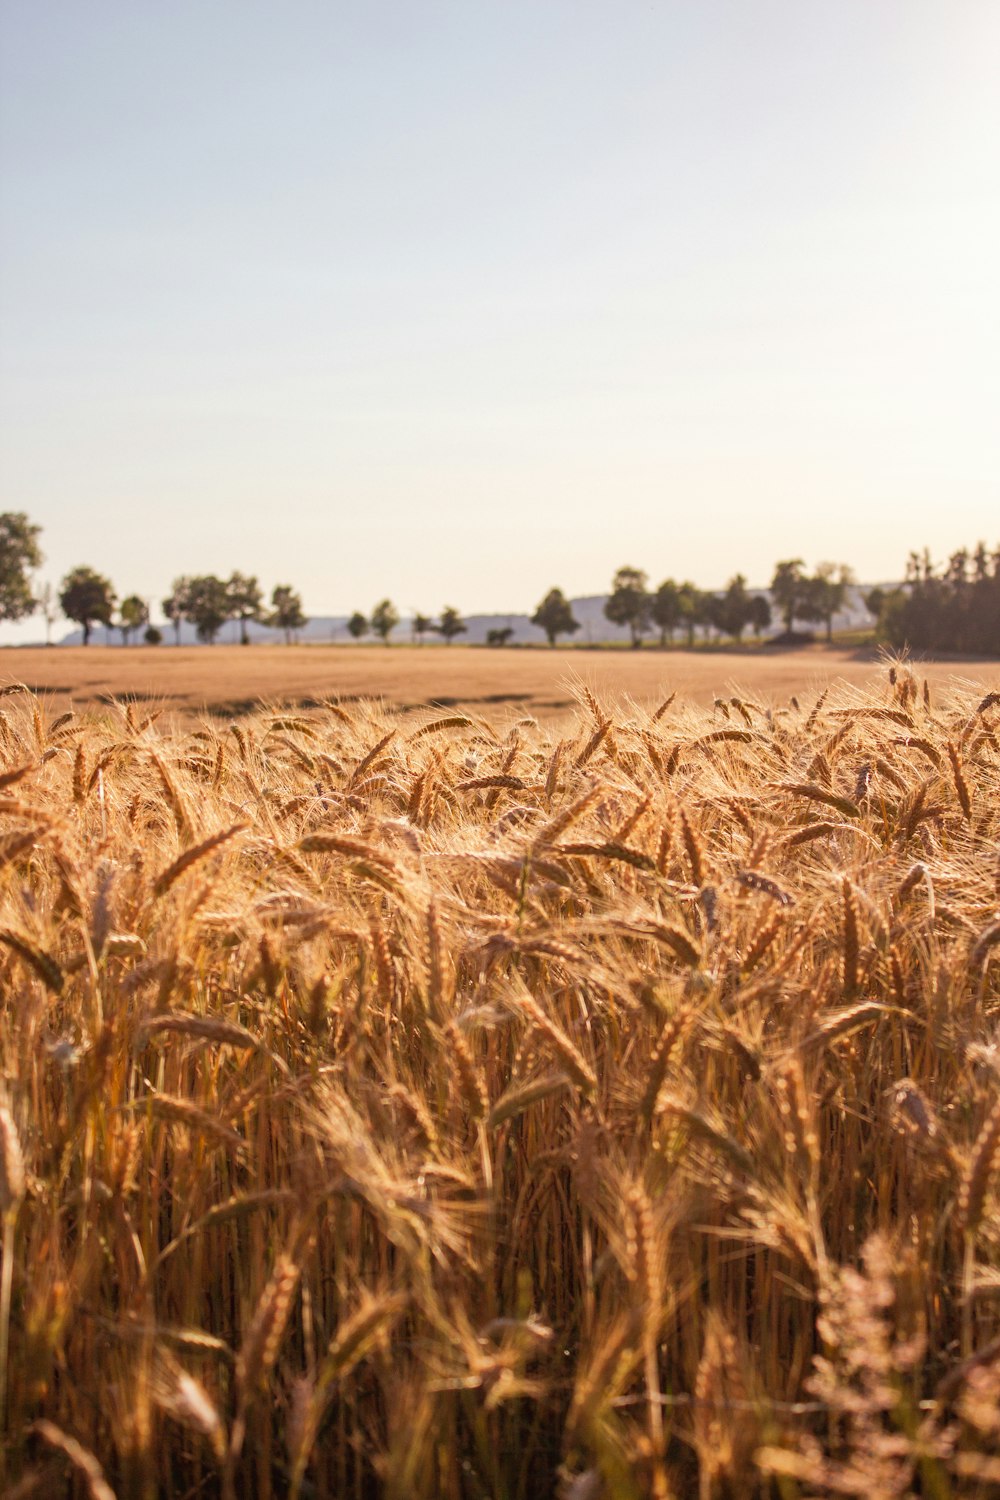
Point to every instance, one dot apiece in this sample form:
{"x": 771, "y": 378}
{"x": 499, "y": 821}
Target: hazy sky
{"x": 457, "y": 301}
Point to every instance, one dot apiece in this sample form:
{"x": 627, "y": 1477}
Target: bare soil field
{"x": 230, "y": 680}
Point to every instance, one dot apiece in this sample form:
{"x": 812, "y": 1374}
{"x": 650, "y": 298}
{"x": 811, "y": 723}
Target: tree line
{"x": 951, "y": 608}
{"x": 955, "y": 607}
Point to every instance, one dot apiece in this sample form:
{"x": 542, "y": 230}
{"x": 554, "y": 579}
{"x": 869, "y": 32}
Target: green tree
{"x": 88, "y": 598}
{"x": 357, "y": 625}
{"x": 499, "y": 635}
{"x": 153, "y": 635}
{"x": 420, "y": 625}
{"x": 790, "y": 591}
{"x": 691, "y": 602}
{"x": 555, "y": 616}
{"x": 760, "y": 615}
{"x": 828, "y": 593}
{"x": 451, "y": 624}
{"x": 665, "y": 609}
{"x": 286, "y": 610}
{"x": 207, "y": 605}
{"x": 19, "y": 553}
{"x": 385, "y": 618}
{"x": 246, "y": 602}
{"x": 874, "y": 601}
{"x": 629, "y": 603}
{"x": 174, "y": 606}
{"x": 133, "y": 614}
{"x": 734, "y": 612}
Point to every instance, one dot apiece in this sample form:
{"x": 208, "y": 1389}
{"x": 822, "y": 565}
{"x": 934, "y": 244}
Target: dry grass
{"x": 407, "y": 1107}
{"x": 231, "y": 680}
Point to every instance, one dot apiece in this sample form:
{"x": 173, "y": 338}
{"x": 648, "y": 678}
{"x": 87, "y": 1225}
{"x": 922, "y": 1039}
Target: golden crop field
{"x": 408, "y": 1106}
{"x": 230, "y": 680}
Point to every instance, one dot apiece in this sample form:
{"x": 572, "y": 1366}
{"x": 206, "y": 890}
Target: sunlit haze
{"x": 456, "y": 302}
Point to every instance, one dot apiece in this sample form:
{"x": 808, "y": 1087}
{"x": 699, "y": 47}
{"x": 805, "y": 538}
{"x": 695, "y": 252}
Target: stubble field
{"x": 415, "y": 1107}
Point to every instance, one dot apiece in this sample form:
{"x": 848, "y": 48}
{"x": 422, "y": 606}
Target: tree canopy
{"x": 19, "y": 553}
{"x": 451, "y": 624}
{"x": 384, "y": 619}
{"x": 286, "y": 610}
{"x": 629, "y": 603}
{"x": 88, "y": 598}
{"x": 555, "y": 616}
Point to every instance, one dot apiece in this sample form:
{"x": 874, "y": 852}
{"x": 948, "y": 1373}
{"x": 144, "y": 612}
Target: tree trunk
{"x": 86, "y": 632}
{"x": 244, "y": 638}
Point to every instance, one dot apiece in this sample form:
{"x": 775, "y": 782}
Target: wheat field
{"x": 406, "y": 1106}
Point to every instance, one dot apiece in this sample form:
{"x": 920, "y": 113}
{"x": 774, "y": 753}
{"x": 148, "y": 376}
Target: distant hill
{"x": 589, "y": 610}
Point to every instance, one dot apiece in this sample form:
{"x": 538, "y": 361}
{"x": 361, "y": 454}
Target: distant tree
{"x": 827, "y": 593}
{"x": 874, "y": 601}
{"x": 555, "y": 616}
{"x": 286, "y": 610}
{"x": 207, "y": 605}
{"x": 665, "y": 609}
{"x": 357, "y": 625}
{"x": 87, "y": 598}
{"x": 629, "y": 603}
{"x": 735, "y": 611}
{"x": 691, "y": 602}
{"x": 174, "y": 606}
{"x": 48, "y": 603}
{"x": 451, "y": 624}
{"x": 499, "y": 635}
{"x": 246, "y": 602}
{"x": 385, "y": 618}
{"x": 153, "y": 635}
{"x": 420, "y": 625}
{"x": 760, "y": 615}
{"x": 790, "y": 591}
{"x": 133, "y": 614}
{"x": 19, "y": 553}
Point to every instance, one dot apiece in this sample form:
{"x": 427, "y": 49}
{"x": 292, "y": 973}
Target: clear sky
{"x": 457, "y": 301}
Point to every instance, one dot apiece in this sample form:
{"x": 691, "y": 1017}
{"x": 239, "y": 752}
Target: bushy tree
{"x": 953, "y": 608}
{"x": 207, "y": 605}
{"x": 153, "y": 635}
{"x": 245, "y": 602}
{"x": 19, "y": 553}
{"x": 499, "y": 635}
{"x": 629, "y": 603}
{"x": 87, "y": 597}
{"x": 133, "y": 614}
{"x": 174, "y": 606}
{"x": 357, "y": 625}
{"x": 420, "y": 625}
{"x": 790, "y": 591}
{"x": 760, "y": 615}
{"x": 286, "y": 610}
{"x": 451, "y": 624}
{"x": 827, "y": 593}
{"x": 385, "y": 618}
{"x": 665, "y": 609}
{"x": 555, "y": 616}
{"x": 691, "y": 603}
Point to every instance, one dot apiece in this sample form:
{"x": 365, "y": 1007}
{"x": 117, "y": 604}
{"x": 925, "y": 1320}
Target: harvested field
{"x": 423, "y": 1109}
{"x": 229, "y": 680}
